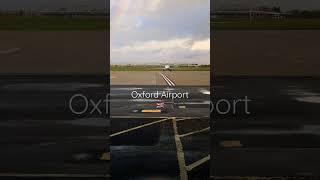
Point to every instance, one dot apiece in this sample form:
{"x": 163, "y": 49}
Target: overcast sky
{"x": 160, "y": 31}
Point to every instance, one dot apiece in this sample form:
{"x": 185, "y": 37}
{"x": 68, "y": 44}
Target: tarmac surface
{"x": 40, "y": 137}
{"x": 172, "y": 148}
{"x": 279, "y": 138}
{"x": 274, "y": 69}
{"x": 160, "y": 137}
{"x": 54, "y": 52}
{"x": 154, "y": 78}
{"x": 265, "y": 52}
{"x": 125, "y": 101}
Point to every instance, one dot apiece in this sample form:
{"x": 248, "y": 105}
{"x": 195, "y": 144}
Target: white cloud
{"x": 152, "y": 5}
{"x": 182, "y": 43}
{"x": 153, "y": 30}
{"x": 201, "y": 45}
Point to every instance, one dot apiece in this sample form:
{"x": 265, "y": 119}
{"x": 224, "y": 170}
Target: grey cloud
{"x": 179, "y": 23}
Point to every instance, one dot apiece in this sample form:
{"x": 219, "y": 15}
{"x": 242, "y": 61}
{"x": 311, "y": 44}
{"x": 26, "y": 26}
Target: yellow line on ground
{"x": 138, "y": 127}
{"x": 180, "y": 153}
{"x": 151, "y": 110}
{"x": 198, "y": 163}
{"x": 105, "y": 156}
{"x": 195, "y": 132}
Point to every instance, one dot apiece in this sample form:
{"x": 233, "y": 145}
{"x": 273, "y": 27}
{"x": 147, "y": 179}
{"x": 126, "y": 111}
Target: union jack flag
{"x": 160, "y": 105}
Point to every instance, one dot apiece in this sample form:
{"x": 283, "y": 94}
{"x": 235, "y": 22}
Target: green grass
{"x": 266, "y": 24}
{"x": 158, "y": 68}
{"x": 25, "y": 23}
{"x": 49, "y": 23}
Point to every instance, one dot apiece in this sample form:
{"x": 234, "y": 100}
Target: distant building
{"x": 250, "y": 14}
{"x": 193, "y": 65}
{"x": 189, "y": 65}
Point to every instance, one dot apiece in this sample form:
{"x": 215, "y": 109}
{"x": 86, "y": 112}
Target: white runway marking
{"x": 198, "y": 163}
{"x": 301, "y": 92}
{"x": 180, "y": 153}
{"x": 303, "y": 95}
{"x": 310, "y": 99}
{"x": 192, "y": 118}
{"x": 169, "y": 89}
{"x": 195, "y": 132}
{"x": 138, "y": 127}
{"x": 206, "y": 92}
{"x": 9, "y": 51}
{"x": 183, "y": 168}
{"x": 168, "y": 81}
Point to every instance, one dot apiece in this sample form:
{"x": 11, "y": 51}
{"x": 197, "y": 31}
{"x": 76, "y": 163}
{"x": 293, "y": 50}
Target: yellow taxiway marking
{"x": 198, "y": 163}
{"x": 151, "y": 111}
{"x": 138, "y": 127}
{"x": 229, "y": 144}
{"x": 195, "y": 132}
{"x": 105, "y": 156}
{"x": 180, "y": 153}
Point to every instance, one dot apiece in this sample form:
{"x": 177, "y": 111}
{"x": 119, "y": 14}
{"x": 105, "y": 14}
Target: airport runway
{"x": 132, "y": 93}
{"x": 54, "y": 52}
{"x": 265, "y": 52}
{"x": 160, "y": 137}
{"x": 281, "y": 135}
{"x": 154, "y": 78}
{"x": 41, "y": 138}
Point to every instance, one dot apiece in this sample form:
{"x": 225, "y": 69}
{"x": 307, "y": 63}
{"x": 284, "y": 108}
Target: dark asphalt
{"x": 280, "y": 136}
{"x": 40, "y": 136}
{"x": 150, "y": 152}
{"x": 197, "y": 105}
